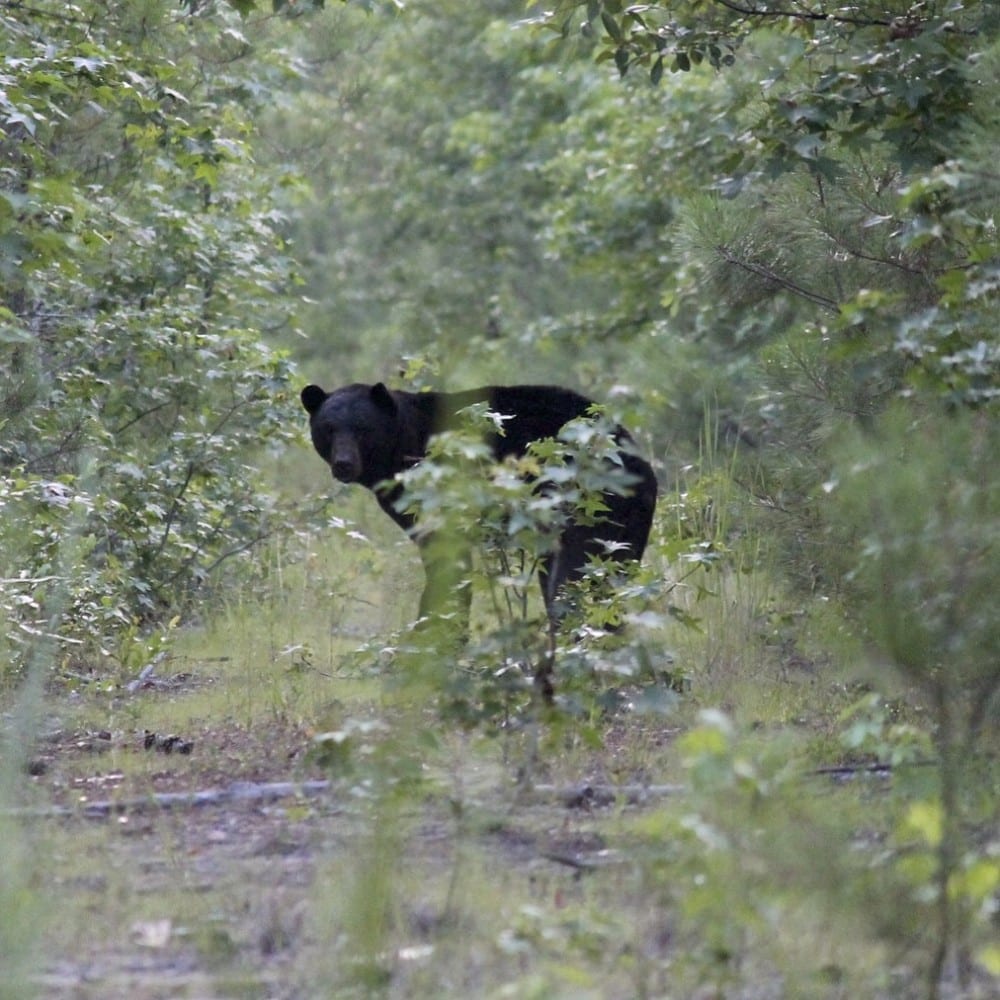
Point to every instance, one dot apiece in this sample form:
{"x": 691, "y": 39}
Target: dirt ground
{"x": 199, "y": 863}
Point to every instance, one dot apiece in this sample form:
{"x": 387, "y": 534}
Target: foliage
{"x": 141, "y": 262}
{"x": 796, "y": 224}
{"x": 417, "y": 226}
{"x": 841, "y": 145}
{"x": 920, "y": 503}
{"x": 511, "y": 515}
{"x": 774, "y": 219}
{"x": 761, "y": 854}
{"x": 520, "y": 200}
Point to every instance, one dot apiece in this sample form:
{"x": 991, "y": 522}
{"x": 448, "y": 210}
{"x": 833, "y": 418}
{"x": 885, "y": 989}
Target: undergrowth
{"x": 719, "y": 798}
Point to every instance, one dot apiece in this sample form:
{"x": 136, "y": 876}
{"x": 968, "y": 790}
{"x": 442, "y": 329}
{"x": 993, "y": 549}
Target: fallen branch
{"x": 600, "y": 796}
{"x": 586, "y": 796}
{"x": 845, "y": 771}
{"x": 238, "y": 791}
{"x": 583, "y": 863}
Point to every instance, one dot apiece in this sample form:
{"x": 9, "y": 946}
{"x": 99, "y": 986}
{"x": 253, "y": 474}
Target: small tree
{"x": 917, "y": 505}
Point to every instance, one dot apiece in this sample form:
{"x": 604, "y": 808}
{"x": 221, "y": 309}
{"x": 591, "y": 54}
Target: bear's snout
{"x": 345, "y": 459}
{"x": 344, "y": 469}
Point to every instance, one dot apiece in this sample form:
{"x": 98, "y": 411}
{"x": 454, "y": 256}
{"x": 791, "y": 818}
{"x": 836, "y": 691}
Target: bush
{"x": 136, "y": 238}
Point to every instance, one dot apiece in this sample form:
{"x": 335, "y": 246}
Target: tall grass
{"x": 22, "y": 906}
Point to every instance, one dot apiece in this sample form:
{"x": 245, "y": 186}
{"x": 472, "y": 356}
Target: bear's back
{"x": 534, "y": 411}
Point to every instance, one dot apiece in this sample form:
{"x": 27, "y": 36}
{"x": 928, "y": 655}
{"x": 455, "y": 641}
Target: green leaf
{"x": 612, "y": 27}
{"x": 22, "y": 118}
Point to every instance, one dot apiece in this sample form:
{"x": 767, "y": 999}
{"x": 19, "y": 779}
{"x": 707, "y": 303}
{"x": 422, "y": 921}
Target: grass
{"x": 426, "y": 870}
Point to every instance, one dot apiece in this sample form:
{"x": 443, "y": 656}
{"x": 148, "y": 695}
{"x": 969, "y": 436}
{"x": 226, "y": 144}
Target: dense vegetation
{"x": 765, "y": 233}
{"x": 143, "y": 272}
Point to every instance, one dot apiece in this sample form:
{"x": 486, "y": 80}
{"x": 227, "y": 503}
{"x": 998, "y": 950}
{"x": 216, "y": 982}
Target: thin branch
{"x": 806, "y": 15}
{"x": 29, "y": 579}
{"x": 21, "y": 8}
{"x": 142, "y": 416}
{"x": 172, "y": 513}
{"x": 229, "y": 553}
{"x": 790, "y": 286}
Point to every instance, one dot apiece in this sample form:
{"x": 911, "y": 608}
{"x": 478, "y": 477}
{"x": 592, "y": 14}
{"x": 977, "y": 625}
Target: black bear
{"x": 367, "y": 434}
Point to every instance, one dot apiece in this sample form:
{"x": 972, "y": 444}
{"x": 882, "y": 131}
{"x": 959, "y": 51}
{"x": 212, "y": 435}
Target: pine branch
{"x": 776, "y": 279}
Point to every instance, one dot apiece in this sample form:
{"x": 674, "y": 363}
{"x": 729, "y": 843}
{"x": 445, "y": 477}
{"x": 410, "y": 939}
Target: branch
{"x": 806, "y": 15}
{"x": 261, "y": 536}
{"x": 238, "y": 791}
{"x": 174, "y": 506}
{"x": 821, "y": 300}
{"x": 596, "y": 796}
{"x": 141, "y": 416}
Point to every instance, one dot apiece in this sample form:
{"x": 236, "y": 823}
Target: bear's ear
{"x": 382, "y": 398}
{"x": 313, "y": 397}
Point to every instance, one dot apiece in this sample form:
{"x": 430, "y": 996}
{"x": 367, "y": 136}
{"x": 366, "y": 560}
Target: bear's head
{"x": 355, "y": 431}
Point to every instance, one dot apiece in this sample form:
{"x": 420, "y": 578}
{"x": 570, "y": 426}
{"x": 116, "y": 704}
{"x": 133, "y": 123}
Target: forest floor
{"x": 211, "y": 858}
